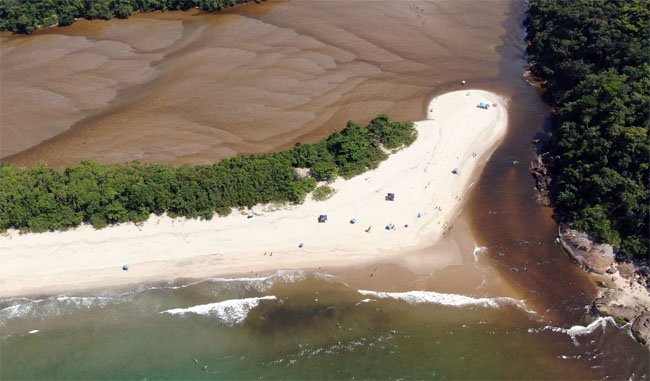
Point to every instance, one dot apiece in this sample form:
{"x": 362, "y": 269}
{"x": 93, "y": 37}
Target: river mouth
{"x": 302, "y": 69}
{"x": 255, "y": 79}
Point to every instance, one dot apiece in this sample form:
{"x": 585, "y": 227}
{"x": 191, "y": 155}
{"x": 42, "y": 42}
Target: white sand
{"x": 457, "y": 134}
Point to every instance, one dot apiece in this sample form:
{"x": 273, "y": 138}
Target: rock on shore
{"x": 594, "y": 257}
{"x": 625, "y": 296}
{"x": 641, "y": 328}
{"x": 542, "y": 180}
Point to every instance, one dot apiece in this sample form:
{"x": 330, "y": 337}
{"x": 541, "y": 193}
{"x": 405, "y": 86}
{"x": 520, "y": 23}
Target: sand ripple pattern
{"x": 185, "y": 87}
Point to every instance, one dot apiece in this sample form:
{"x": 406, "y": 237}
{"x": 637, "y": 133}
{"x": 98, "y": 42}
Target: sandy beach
{"x": 457, "y": 135}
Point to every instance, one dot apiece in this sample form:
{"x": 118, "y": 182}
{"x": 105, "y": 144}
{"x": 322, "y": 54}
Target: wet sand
{"x": 187, "y": 87}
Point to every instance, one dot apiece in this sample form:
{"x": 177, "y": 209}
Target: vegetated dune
{"x": 429, "y": 180}
{"x": 183, "y": 87}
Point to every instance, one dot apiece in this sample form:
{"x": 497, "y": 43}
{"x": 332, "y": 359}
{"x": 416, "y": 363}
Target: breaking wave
{"x": 230, "y": 312}
{"x": 579, "y": 330}
{"x": 56, "y": 305}
{"x": 452, "y": 300}
{"x": 478, "y": 250}
{"x": 16, "y": 308}
{"x": 260, "y": 284}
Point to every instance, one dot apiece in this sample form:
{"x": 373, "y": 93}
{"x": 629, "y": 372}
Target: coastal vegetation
{"x": 323, "y": 192}
{"x": 595, "y": 59}
{"x": 26, "y": 16}
{"x": 40, "y": 198}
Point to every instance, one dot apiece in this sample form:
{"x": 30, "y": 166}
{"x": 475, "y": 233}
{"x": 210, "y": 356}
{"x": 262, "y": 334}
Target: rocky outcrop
{"x": 641, "y": 328}
{"x": 594, "y": 257}
{"x": 627, "y": 297}
{"x": 611, "y": 304}
{"x": 542, "y": 180}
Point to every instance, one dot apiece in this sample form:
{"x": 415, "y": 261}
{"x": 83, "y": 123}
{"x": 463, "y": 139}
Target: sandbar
{"x": 429, "y": 179}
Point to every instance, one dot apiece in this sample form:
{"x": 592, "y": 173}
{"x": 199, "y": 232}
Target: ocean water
{"x": 292, "y": 324}
{"x": 456, "y": 323}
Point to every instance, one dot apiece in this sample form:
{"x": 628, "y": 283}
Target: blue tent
{"x": 322, "y": 218}
{"x": 125, "y": 267}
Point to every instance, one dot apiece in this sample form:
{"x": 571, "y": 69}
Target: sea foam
{"x": 478, "y": 250}
{"x": 259, "y": 284}
{"x": 230, "y": 312}
{"x": 579, "y": 330}
{"x": 55, "y": 306}
{"x": 452, "y": 300}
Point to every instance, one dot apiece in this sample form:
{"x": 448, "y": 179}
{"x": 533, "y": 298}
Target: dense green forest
{"x": 40, "y": 198}
{"x": 595, "y": 58}
{"x": 25, "y": 16}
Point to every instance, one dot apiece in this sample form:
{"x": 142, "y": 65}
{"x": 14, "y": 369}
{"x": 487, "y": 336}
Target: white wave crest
{"x": 55, "y": 305}
{"x": 478, "y": 250}
{"x": 452, "y": 300}
{"x": 259, "y": 284}
{"x": 230, "y": 312}
{"x": 16, "y": 311}
{"x": 262, "y": 284}
{"x": 290, "y": 276}
{"x": 579, "y": 330}
{"x": 86, "y": 301}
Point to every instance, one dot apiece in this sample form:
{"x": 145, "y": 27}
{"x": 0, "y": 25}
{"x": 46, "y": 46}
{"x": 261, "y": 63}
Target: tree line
{"x": 595, "y": 58}
{"x": 40, "y": 198}
{"x": 25, "y": 16}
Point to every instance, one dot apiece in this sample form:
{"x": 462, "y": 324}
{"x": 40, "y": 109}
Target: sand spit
{"x": 457, "y": 137}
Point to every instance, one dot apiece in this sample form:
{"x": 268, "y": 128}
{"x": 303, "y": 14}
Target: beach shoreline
{"x": 456, "y": 136}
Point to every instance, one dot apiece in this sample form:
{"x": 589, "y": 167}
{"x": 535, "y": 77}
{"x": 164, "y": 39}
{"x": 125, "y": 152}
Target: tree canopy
{"x": 595, "y": 58}
{"x": 25, "y": 16}
{"x": 40, "y": 198}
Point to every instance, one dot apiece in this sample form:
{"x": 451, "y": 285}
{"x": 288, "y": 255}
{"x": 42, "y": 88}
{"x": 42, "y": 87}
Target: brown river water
{"x": 189, "y": 87}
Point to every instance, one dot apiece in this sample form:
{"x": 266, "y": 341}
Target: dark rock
{"x": 542, "y": 180}
{"x": 601, "y": 284}
{"x": 594, "y": 257}
{"x": 611, "y": 270}
{"x": 641, "y": 328}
